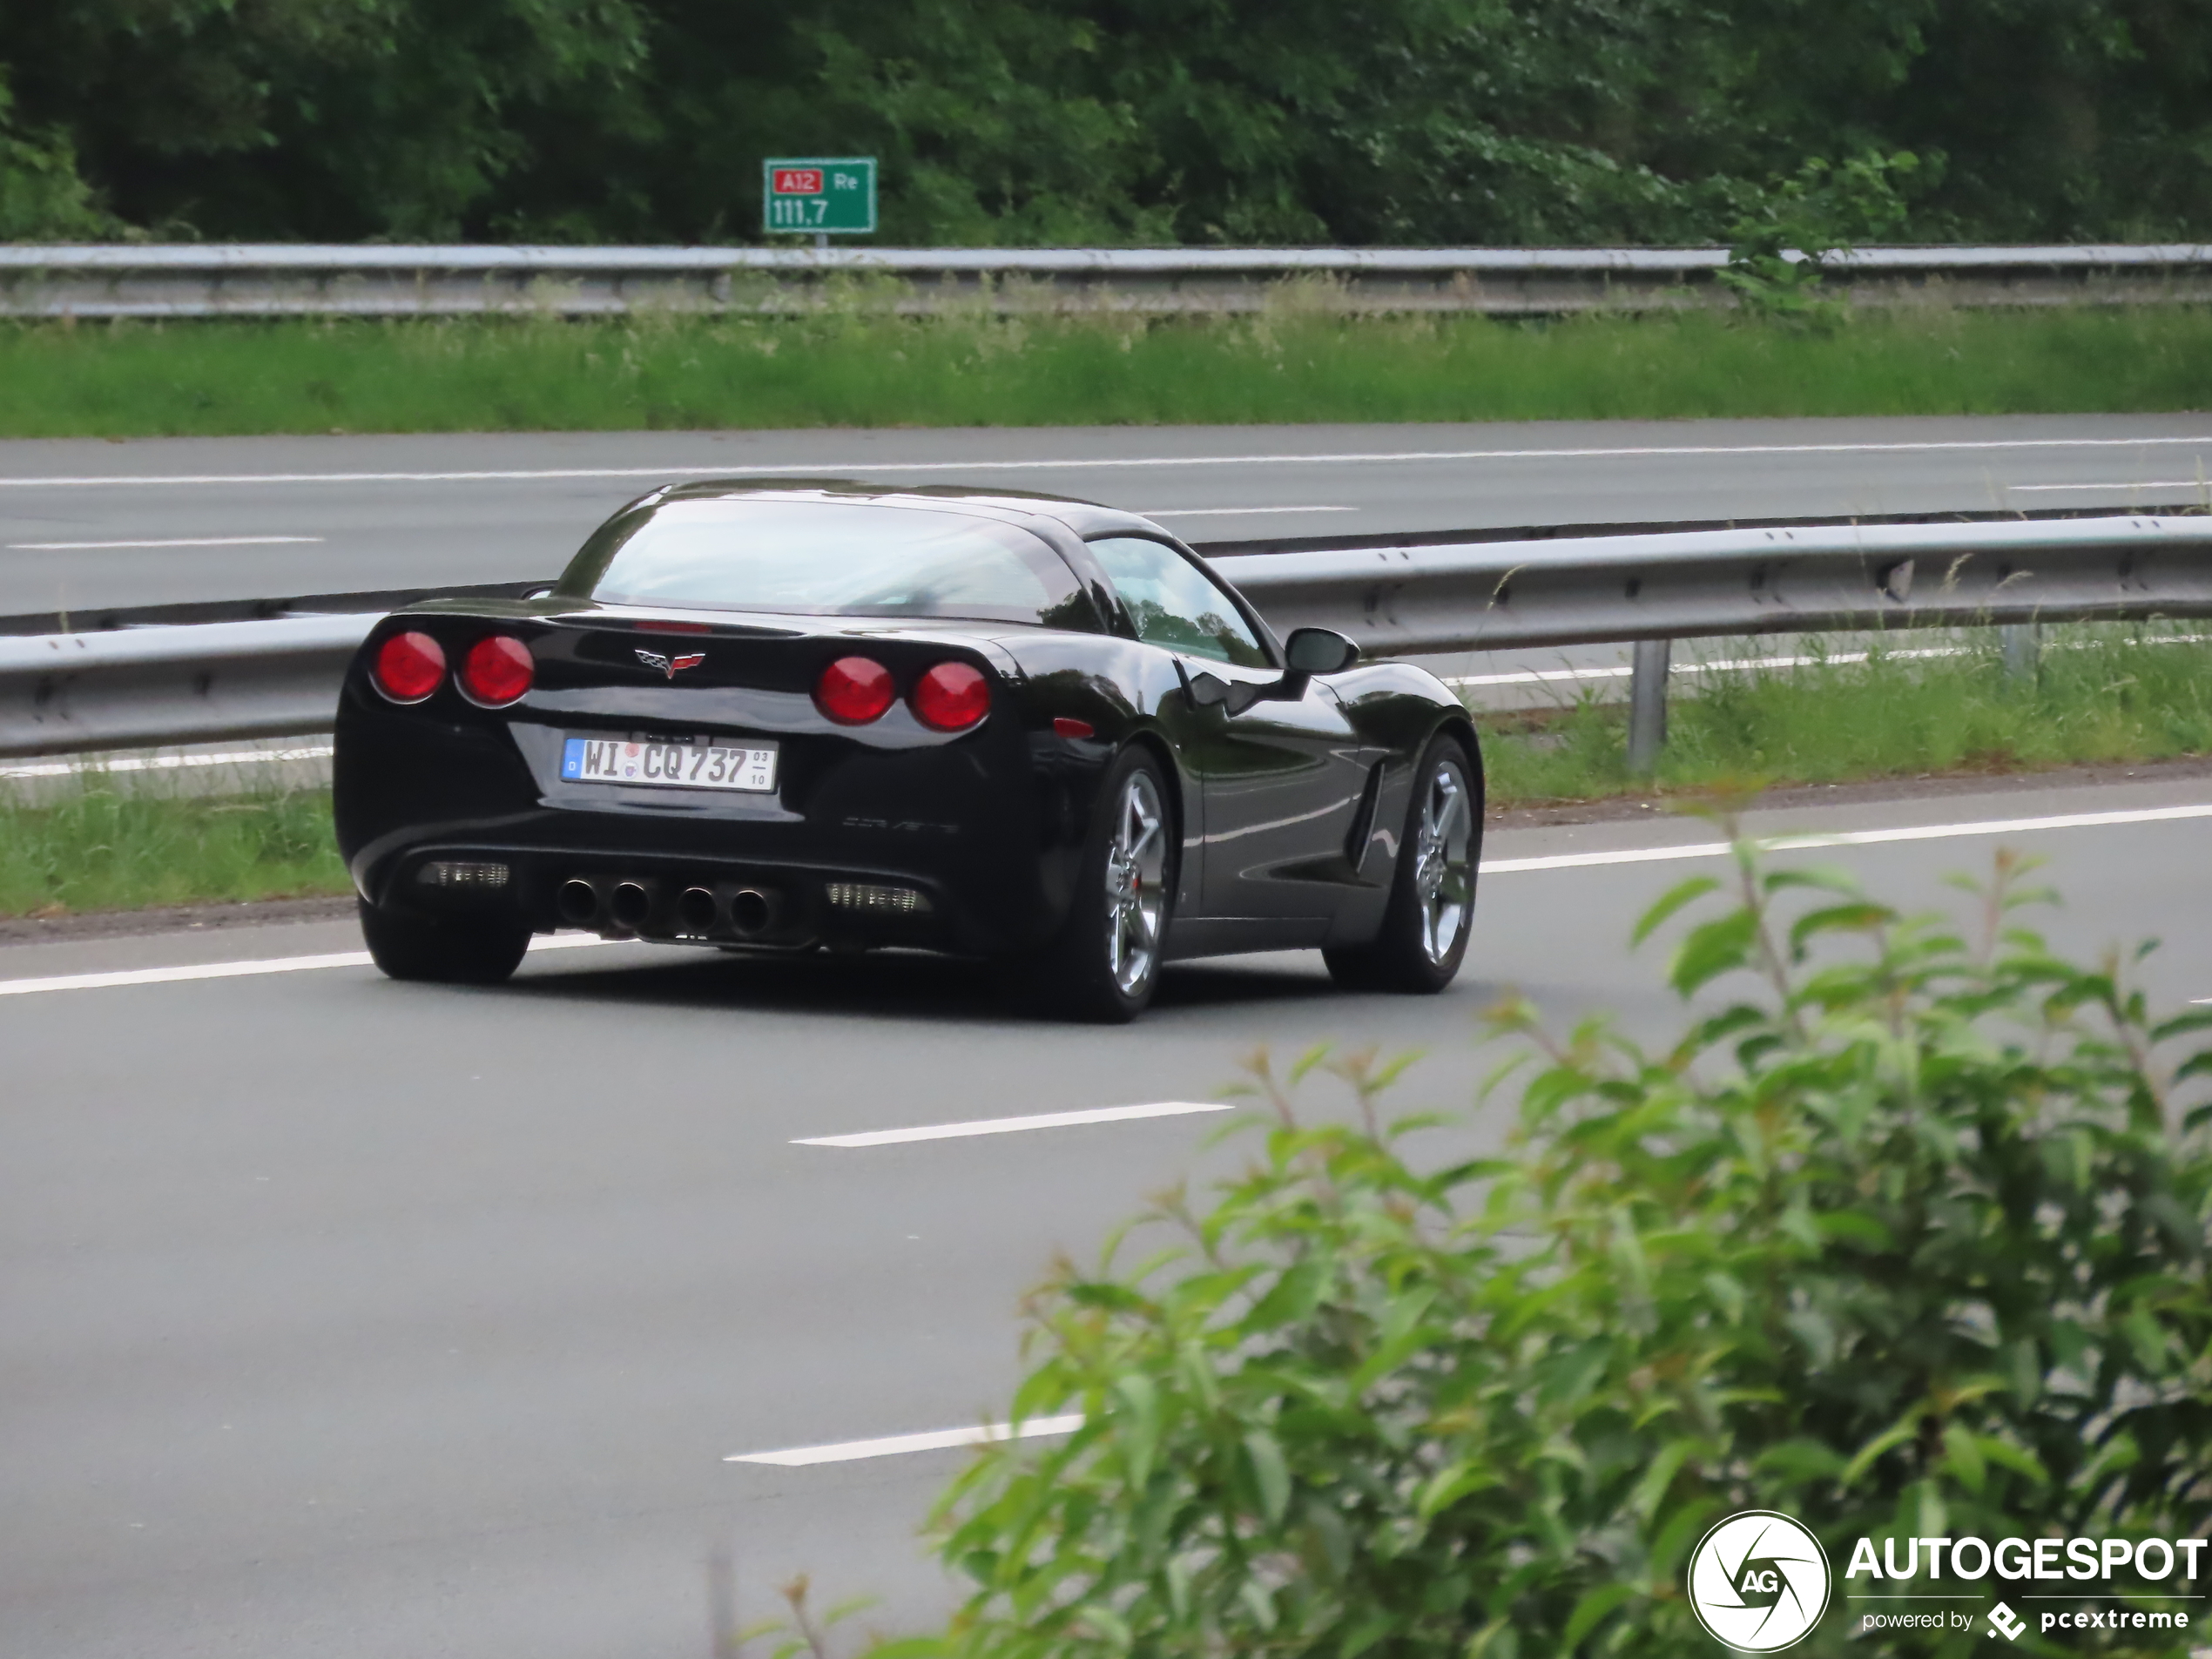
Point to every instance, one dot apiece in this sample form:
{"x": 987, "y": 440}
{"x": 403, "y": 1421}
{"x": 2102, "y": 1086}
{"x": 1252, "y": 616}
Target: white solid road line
{"x": 1002, "y": 1125}
{"x": 798, "y": 1457}
{"x": 1545, "y": 676}
{"x": 1749, "y": 664}
{"x": 1727, "y": 665}
{"x": 168, "y": 975}
{"x": 2162, "y": 484}
{"x": 1014, "y": 1125}
{"x": 193, "y": 541}
{"x": 93, "y": 764}
{"x": 1228, "y": 512}
{"x": 1852, "y": 837}
{"x": 737, "y": 466}
{"x": 235, "y": 970}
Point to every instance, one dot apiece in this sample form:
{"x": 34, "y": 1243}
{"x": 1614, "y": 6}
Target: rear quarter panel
{"x": 1127, "y": 692}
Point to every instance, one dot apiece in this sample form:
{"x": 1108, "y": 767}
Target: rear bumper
{"x": 679, "y": 897}
{"x": 977, "y": 843}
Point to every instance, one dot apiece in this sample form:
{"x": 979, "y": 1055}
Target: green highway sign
{"x": 826, "y": 195}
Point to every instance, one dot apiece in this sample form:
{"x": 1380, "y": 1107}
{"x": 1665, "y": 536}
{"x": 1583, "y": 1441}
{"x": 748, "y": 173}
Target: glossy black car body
{"x": 1289, "y": 792}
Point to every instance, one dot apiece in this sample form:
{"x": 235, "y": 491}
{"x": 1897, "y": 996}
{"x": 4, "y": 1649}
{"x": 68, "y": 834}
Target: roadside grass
{"x": 98, "y": 848}
{"x": 1299, "y": 362}
{"x": 2104, "y": 693}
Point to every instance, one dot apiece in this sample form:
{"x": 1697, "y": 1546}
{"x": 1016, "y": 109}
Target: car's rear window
{"x": 829, "y": 558}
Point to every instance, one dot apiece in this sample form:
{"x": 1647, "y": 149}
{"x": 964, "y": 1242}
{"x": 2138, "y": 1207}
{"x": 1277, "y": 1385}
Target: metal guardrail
{"x": 143, "y": 687}
{"x": 1491, "y": 595}
{"x": 1653, "y": 590}
{"x": 97, "y": 620}
{"x": 285, "y": 280}
{"x": 168, "y": 682}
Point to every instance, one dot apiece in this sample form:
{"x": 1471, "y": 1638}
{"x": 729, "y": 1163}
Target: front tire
{"x": 1106, "y": 962}
{"x": 1424, "y": 933}
{"x": 460, "y": 950}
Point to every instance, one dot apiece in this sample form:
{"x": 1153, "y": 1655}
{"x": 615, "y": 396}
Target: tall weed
{"x": 98, "y": 848}
{"x": 2104, "y": 693}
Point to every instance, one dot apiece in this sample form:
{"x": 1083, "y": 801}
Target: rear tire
{"x": 1106, "y": 961}
{"x": 460, "y": 950}
{"x": 1424, "y": 934}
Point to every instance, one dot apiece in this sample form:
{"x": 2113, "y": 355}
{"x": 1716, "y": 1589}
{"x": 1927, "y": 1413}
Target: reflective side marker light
{"x": 1069, "y": 726}
{"x": 462, "y": 873}
{"x": 867, "y": 897}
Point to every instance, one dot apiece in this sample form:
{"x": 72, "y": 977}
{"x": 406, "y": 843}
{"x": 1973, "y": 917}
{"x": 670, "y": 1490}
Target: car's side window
{"x": 1175, "y": 604}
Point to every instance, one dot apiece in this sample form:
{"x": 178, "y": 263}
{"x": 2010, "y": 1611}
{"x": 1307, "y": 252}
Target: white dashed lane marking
{"x": 798, "y": 1457}
{"x": 1014, "y": 1125}
{"x": 189, "y": 541}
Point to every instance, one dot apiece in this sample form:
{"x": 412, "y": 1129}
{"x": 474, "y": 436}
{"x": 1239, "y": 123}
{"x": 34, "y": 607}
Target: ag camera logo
{"x": 1758, "y": 1581}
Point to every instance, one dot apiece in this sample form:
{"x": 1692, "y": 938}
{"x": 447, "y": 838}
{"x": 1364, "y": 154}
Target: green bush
{"x": 1904, "y": 1238}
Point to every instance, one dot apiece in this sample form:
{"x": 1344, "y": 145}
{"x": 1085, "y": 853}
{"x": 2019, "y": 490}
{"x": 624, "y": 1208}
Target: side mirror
{"x": 1319, "y": 651}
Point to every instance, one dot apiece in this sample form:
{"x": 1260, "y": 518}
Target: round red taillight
{"x": 409, "y": 667}
{"x": 854, "y": 691}
{"x": 497, "y": 669}
{"x": 951, "y": 696}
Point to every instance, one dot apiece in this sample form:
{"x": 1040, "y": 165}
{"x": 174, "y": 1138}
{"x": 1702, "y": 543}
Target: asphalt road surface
{"x": 370, "y": 1321}
{"x": 87, "y": 524}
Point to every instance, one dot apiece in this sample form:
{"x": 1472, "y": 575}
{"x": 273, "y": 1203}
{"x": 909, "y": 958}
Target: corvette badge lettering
{"x": 671, "y": 666}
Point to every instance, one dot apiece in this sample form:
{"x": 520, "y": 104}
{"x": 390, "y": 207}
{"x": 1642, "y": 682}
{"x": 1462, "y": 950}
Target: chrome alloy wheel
{"x": 1443, "y": 868}
{"x": 1136, "y": 891}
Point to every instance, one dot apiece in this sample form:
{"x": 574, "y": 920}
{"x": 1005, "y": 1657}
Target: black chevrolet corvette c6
{"x": 782, "y": 718}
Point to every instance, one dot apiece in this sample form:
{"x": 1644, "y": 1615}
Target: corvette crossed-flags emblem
{"x": 671, "y": 666}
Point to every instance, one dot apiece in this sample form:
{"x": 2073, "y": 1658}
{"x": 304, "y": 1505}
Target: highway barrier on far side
{"x": 293, "y": 280}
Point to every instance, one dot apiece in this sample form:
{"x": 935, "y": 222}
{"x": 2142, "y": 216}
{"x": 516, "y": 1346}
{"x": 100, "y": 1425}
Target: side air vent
{"x": 1363, "y": 819}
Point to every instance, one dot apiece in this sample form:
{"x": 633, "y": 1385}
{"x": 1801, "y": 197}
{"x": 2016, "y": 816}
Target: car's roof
{"x": 1086, "y": 519}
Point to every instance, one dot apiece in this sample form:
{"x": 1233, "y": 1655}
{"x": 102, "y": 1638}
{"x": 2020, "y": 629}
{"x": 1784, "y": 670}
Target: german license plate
{"x": 696, "y": 763}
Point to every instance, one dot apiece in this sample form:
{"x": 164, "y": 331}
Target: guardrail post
{"x": 1648, "y": 705}
{"x": 2022, "y": 645}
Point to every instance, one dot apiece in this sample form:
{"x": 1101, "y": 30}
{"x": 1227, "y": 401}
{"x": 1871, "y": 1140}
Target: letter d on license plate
{"x": 700, "y": 763}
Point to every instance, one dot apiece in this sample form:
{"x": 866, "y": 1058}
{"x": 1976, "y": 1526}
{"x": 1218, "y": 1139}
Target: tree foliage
{"x": 1039, "y": 121}
{"x": 1907, "y": 1237}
